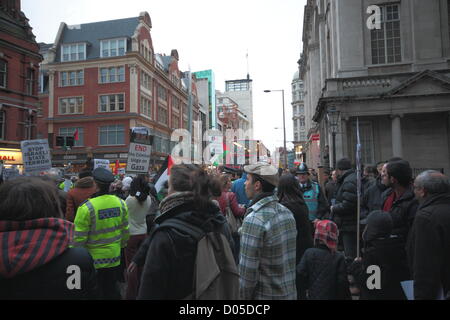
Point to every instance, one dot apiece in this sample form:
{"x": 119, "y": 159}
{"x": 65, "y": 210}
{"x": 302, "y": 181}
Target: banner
{"x": 36, "y": 156}
{"x": 101, "y": 163}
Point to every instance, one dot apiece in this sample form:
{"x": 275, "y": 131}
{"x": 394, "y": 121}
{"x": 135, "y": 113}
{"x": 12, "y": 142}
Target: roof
{"x": 93, "y": 33}
{"x": 43, "y": 47}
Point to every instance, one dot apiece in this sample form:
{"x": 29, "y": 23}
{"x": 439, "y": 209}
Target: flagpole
{"x": 358, "y": 186}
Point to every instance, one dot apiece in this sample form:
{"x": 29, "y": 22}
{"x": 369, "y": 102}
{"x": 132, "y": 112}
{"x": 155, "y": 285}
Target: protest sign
{"x": 140, "y": 150}
{"x": 101, "y": 163}
{"x": 36, "y": 156}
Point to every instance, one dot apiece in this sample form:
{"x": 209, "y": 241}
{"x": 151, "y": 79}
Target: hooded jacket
{"x": 238, "y": 188}
{"x": 170, "y": 255}
{"x": 83, "y": 190}
{"x": 35, "y": 260}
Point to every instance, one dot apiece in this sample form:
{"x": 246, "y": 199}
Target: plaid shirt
{"x": 267, "y": 254}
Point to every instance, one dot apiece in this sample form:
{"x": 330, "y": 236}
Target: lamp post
{"x": 333, "y": 120}
{"x": 284, "y": 127}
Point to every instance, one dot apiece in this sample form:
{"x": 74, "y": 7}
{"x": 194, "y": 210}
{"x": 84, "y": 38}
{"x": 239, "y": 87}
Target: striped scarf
{"x": 27, "y": 245}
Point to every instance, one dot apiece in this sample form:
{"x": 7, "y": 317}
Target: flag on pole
{"x": 163, "y": 174}
{"x": 358, "y": 182}
{"x": 75, "y": 135}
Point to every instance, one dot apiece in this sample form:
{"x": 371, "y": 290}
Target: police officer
{"x": 312, "y": 193}
{"x": 101, "y": 226}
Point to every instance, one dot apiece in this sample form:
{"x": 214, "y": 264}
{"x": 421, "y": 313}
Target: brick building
{"x": 19, "y": 67}
{"x": 104, "y": 78}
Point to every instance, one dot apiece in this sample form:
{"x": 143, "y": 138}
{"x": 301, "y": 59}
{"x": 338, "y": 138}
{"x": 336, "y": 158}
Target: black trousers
{"x": 107, "y": 282}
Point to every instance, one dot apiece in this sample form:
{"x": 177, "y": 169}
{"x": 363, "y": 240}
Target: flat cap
{"x": 103, "y": 175}
{"x": 266, "y": 171}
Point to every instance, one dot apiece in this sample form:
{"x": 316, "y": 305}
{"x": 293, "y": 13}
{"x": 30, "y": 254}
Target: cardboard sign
{"x": 138, "y": 160}
{"x": 101, "y": 163}
{"x": 36, "y": 156}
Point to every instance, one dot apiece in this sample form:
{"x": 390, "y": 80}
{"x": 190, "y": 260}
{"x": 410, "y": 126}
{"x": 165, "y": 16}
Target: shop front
{"x": 12, "y": 162}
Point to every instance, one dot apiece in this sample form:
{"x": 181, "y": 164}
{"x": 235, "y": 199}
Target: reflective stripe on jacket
{"x": 101, "y": 226}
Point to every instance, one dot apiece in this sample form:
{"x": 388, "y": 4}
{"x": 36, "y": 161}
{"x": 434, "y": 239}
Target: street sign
{"x": 101, "y": 163}
{"x": 36, "y": 156}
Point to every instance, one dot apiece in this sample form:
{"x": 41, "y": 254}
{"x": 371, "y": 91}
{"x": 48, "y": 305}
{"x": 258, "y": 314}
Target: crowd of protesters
{"x": 290, "y": 237}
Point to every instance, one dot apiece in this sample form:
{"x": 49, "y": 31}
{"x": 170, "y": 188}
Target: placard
{"x": 101, "y": 163}
{"x": 36, "y": 156}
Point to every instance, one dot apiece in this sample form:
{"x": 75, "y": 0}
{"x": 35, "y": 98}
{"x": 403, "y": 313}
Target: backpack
{"x": 215, "y": 273}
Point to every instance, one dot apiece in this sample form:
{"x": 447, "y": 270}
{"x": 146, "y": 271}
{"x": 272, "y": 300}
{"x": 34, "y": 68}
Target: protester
{"x": 126, "y": 185}
{"x": 290, "y": 196}
{"x": 429, "y": 248}
{"x": 139, "y": 203}
{"x": 372, "y": 195}
{"x": 30, "y": 213}
{"x": 171, "y": 255}
{"x": 344, "y": 211}
{"x": 83, "y": 190}
{"x": 116, "y": 189}
{"x": 101, "y": 226}
{"x": 385, "y": 251}
{"x": 399, "y": 198}
{"x": 312, "y": 193}
{"x": 322, "y": 272}
{"x": 238, "y": 188}
{"x": 268, "y": 240}
{"x": 330, "y": 188}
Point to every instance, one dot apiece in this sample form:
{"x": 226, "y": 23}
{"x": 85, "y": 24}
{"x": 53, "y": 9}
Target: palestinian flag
{"x": 163, "y": 174}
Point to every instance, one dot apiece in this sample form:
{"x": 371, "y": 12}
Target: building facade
{"x": 105, "y": 78}
{"x": 19, "y": 70}
{"x": 391, "y": 71}
{"x": 298, "y": 117}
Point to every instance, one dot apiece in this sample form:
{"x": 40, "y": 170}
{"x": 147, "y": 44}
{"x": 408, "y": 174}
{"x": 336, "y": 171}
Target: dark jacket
{"x": 330, "y": 190}
{"x": 43, "y": 272}
{"x": 345, "y": 210}
{"x": 323, "y": 275}
{"x": 429, "y": 248}
{"x": 323, "y": 207}
{"x": 372, "y": 198}
{"x": 169, "y": 265}
{"x": 402, "y": 212}
{"x": 304, "y": 227}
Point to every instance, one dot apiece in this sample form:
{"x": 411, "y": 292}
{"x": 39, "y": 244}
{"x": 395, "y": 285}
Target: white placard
{"x": 36, "y": 156}
{"x": 101, "y": 163}
{"x": 138, "y": 158}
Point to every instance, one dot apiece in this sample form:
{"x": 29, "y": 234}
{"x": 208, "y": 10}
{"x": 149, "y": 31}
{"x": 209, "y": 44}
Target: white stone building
{"x": 298, "y": 116}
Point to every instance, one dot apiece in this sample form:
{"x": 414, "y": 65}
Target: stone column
{"x": 397, "y": 149}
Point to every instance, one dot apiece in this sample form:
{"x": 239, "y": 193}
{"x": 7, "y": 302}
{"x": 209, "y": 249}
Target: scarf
{"x": 175, "y": 200}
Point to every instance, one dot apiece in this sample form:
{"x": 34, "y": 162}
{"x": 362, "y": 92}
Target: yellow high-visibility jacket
{"x": 101, "y": 226}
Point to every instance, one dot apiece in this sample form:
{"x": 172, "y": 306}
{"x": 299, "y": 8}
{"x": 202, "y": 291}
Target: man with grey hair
{"x": 429, "y": 245}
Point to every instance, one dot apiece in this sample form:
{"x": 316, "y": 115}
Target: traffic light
{"x": 59, "y": 141}
{"x": 70, "y": 141}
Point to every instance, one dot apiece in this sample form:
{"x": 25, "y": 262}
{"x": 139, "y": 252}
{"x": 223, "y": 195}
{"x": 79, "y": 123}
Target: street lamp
{"x": 284, "y": 126}
{"x": 333, "y": 120}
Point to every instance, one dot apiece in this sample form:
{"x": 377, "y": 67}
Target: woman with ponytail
{"x": 139, "y": 203}
{"x": 171, "y": 254}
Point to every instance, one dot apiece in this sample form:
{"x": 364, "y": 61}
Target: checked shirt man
{"x": 268, "y": 240}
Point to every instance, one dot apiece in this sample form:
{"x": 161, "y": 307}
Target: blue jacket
{"x": 239, "y": 189}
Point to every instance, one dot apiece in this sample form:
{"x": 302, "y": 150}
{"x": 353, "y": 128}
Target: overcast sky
{"x": 208, "y": 34}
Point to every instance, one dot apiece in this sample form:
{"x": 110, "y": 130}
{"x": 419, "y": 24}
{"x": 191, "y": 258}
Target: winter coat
{"x": 36, "y": 266}
{"x": 344, "y": 212}
{"x": 402, "y": 212}
{"x": 304, "y": 227}
{"x": 372, "y": 198}
{"x": 229, "y": 199}
{"x": 323, "y": 207}
{"x": 83, "y": 190}
{"x": 170, "y": 255}
{"x": 238, "y": 188}
{"x": 330, "y": 190}
{"x": 429, "y": 248}
{"x": 323, "y": 275}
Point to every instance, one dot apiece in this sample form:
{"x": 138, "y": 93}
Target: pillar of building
{"x": 397, "y": 149}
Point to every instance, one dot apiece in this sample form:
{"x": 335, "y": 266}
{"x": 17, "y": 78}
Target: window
{"x": 175, "y": 121}
{"x": 175, "y": 104}
{"x": 386, "y": 44}
{"x": 73, "y": 105}
{"x": 112, "y": 48}
{"x": 146, "y": 81}
{"x": 237, "y": 86}
{"x": 72, "y": 78}
{"x": 70, "y": 132}
{"x": 302, "y": 121}
{"x": 73, "y": 52}
{"x": 112, "y": 135}
{"x": 162, "y": 93}
{"x": 3, "y": 73}
{"x": 112, "y": 103}
{"x": 146, "y": 107}
{"x": 366, "y": 140}
{"x": 301, "y": 110}
{"x": 162, "y": 114}
{"x": 113, "y": 74}
{"x": 2, "y": 124}
{"x": 29, "y": 82}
